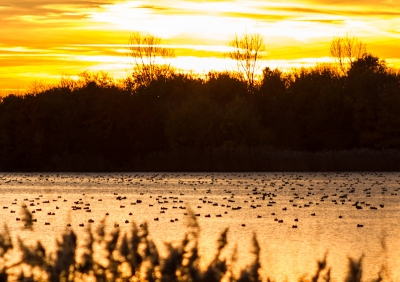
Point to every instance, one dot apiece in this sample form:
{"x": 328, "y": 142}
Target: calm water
{"x": 315, "y": 199}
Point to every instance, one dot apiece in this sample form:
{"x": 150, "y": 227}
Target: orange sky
{"x": 42, "y": 40}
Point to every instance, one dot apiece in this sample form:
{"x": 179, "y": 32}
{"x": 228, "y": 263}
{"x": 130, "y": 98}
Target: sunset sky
{"x": 43, "y": 40}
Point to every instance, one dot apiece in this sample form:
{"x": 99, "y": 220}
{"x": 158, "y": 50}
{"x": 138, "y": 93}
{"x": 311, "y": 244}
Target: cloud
{"x": 297, "y": 11}
{"x": 45, "y": 11}
{"x": 32, "y": 5}
{"x": 353, "y": 3}
{"x": 255, "y": 16}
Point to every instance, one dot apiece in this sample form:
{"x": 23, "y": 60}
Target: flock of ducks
{"x": 271, "y": 195}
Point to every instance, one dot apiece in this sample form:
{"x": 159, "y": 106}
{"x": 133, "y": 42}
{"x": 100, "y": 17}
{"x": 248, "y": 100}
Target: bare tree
{"x": 149, "y": 57}
{"x": 247, "y": 51}
{"x": 346, "y": 50}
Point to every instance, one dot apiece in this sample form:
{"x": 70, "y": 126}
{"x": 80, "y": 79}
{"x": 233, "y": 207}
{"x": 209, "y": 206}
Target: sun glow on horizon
{"x": 44, "y": 40}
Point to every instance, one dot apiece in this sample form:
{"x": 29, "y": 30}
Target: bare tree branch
{"x": 146, "y": 51}
{"x": 346, "y": 50}
{"x": 247, "y": 52}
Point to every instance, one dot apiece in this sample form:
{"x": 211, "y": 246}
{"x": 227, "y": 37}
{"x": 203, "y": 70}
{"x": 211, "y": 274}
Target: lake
{"x": 297, "y": 217}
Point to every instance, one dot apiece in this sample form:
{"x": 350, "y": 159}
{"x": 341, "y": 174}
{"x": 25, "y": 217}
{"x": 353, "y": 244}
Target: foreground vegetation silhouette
{"x": 306, "y": 119}
{"x": 120, "y": 257}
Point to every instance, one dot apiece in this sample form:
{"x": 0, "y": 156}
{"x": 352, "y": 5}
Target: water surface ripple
{"x": 297, "y": 217}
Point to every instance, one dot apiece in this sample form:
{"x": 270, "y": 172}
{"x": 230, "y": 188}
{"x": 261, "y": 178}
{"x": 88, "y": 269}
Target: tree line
{"x": 97, "y": 123}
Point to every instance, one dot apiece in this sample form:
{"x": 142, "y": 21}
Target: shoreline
{"x": 231, "y": 160}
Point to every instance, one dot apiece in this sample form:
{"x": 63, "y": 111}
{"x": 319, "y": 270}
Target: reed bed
{"x": 117, "y": 256}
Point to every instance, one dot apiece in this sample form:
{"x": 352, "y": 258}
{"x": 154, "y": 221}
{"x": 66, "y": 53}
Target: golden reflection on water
{"x": 226, "y": 200}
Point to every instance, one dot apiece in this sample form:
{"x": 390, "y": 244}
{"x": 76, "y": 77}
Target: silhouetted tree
{"x": 195, "y": 124}
{"x": 240, "y": 125}
{"x": 247, "y": 52}
{"x": 223, "y": 87}
{"x": 95, "y": 124}
{"x": 371, "y": 87}
{"x": 346, "y": 50}
{"x": 149, "y": 58}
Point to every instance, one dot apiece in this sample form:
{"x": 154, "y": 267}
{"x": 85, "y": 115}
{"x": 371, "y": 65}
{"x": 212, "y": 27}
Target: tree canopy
{"x": 98, "y": 123}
